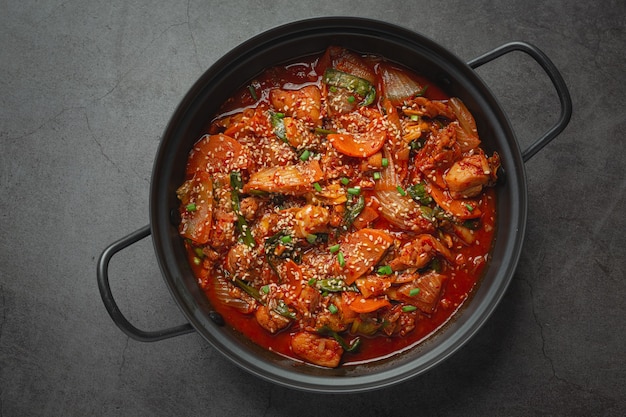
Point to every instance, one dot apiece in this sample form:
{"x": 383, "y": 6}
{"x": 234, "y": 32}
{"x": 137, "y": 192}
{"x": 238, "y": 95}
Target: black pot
{"x": 287, "y": 43}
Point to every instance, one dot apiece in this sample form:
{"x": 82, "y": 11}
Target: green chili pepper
{"x": 351, "y": 82}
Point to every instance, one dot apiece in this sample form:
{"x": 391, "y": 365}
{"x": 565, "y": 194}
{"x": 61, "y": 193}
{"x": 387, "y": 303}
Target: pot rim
{"x": 394, "y": 370}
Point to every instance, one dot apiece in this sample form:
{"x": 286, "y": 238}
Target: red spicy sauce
{"x": 462, "y": 279}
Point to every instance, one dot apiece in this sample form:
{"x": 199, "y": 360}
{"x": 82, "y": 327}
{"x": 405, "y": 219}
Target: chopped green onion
{"x": 280, "y": 115}
{"x": 401, "y": 190}
{"x": 385, "y": 162}
{"x": 317, "y": 187}
{"x": 265, "y": 289}
{"x": 385, "y": 270}
{"x": 334, "y": 248}
{"x": 409, "y": 308}
{"x": 414, "y": 292}
{"x": 196, "y": 260}
{"x": 312, "y": 282}
{"x": 354, "y": 190}
{"x": 305, "y": 155}
{"x": 345, "y": 181}
{"x": 351, "y": 99}
{"x": 191, "y": 207}
{"x": 285, "y": 239}
{"x": 341, "y": 259}
{"x": 469, "y": 207}
{"x": 376, "y": 175}
{"x": 333, "y": 309}
{"x": 415, "y": 117}
{"x": 198, "y": 252}
{"x": 311, "y": 238}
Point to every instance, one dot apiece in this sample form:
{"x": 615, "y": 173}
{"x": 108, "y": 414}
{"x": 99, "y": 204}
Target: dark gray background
{"x": 86, "y": 89}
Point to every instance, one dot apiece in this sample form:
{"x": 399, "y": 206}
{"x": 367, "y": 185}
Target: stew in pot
{"x": 339, "y": 209}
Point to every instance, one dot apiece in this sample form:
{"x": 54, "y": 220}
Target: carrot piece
{"x": 361, "y": 251}
{"x": 366, "y": 217}
{"x": 217, "y": 153}
{"x": 358, "y": 145}
{"x": 294, "y": 276}
{"x": 462, "y": 208}
{"x": 360, "y": 304}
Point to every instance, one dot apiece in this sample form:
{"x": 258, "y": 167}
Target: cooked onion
{"x": 223, "y": 290}
{"x": 398, "y": 86}
{"x": 401, "y": 211}
{"x": 466, "y": 131}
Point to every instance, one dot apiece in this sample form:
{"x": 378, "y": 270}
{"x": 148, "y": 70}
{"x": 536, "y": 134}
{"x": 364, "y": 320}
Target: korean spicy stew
{"x": 339, "y": 209}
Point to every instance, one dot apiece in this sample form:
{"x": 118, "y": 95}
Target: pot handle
{"x": 109, "y": 302}
{"x": 555, "y": 77}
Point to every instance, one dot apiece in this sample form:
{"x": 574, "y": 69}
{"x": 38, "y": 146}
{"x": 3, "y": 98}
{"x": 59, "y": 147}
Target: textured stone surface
{"x": 86, "y": 89}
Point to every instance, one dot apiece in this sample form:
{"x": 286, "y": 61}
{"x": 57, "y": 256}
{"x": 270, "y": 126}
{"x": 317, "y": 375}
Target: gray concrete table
{"x": 86, "y": 89}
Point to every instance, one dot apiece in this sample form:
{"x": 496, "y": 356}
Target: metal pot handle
{"x": 109, "y": 302}
{"x": 555, "y": 77}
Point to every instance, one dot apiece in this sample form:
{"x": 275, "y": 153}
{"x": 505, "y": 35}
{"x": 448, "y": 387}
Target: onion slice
{"x": 398, "y": 86}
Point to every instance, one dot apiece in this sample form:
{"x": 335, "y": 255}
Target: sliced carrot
{"x": 217, "y": 153}
{"x": 359, "y": 145}
{"x": 462, "y": 208}
{"x": 359, "y": 304}
{"x": 294, "y": 276}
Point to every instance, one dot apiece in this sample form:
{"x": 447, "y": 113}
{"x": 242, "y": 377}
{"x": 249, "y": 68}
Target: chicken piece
{"x": 270, "y": 320}
{"x": 419, "y": 252}
{"x": 304, "y": 104}
{"x": 311, "y": 219}
{"x": 322, "y": 351}
{"x": 421, "y": 106}
{"x": 467, "y": 177}
{"x": 249, "y": 207}
{"x": 239, "y": 260}
{"x": 440, "y": 151}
